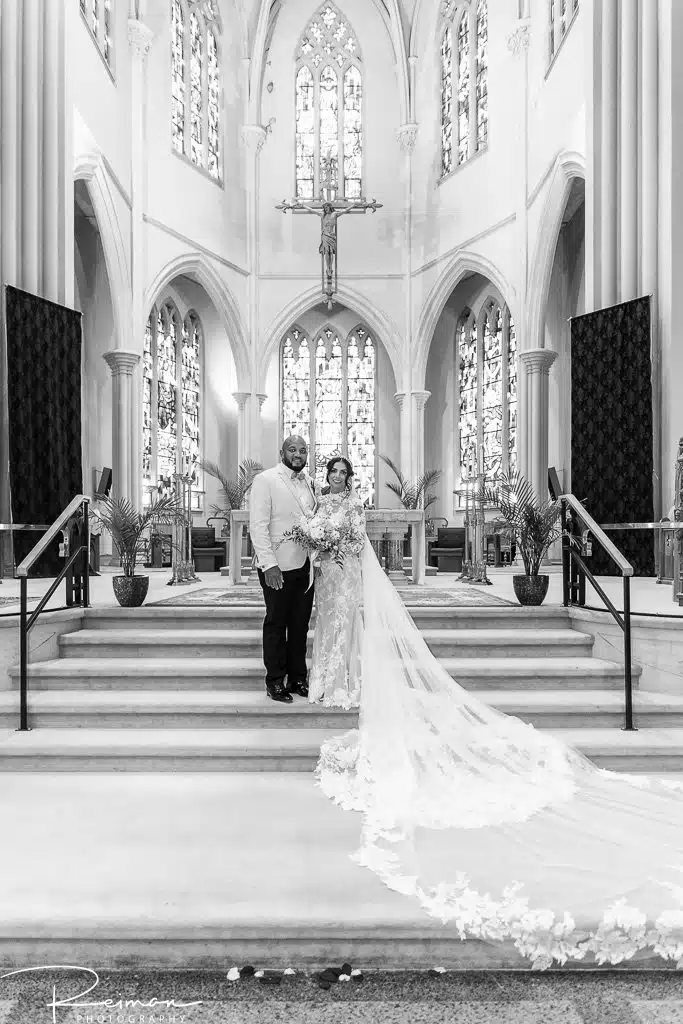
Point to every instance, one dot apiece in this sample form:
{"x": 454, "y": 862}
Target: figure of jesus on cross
{"x": 329, "y": 210}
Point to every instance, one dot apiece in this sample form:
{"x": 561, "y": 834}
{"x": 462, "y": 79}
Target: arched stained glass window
{"x": 171, "y": 400}
{"x": 487, "y": 377}
{"x": 196, "y": 83}
{"x": 328, "y": 397}
{"x": 464, "y": 68}
{"x": 98, "y": 17}
{"x": 329, "y": 108}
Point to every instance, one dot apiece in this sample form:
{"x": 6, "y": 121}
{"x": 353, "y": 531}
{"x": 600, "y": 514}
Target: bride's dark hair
{"x": 349, "y": 470}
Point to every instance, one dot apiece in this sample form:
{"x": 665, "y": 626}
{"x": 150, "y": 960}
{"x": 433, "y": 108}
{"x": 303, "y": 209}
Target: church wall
{"x": 369, "y": 244}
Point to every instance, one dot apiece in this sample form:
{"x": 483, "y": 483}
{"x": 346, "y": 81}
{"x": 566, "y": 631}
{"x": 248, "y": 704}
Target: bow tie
{"x": 297, "y": 476}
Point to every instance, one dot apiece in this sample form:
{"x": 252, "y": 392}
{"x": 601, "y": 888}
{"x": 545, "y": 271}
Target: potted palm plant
{"x": 234, "y": 492}
{"x": 412, "y": 494}
{"x": 535, "y": 525}
{"x": 127, "y": 527}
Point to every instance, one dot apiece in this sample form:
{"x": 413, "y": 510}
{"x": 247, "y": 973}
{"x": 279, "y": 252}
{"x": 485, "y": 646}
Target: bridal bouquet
{"x": 331, "y": 535}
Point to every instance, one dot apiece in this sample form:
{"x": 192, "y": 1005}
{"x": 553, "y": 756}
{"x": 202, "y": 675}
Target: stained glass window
{"x": 487, "y": 379}
{"x": 447, "y": 102}
{"x": 171, "y": 400}
{"x": 464, "y": 67}
{"x": 328, "y": 397}
{"x": 196, "y": 83}
{"x": 98, "y": 17}
{"x": 560, "y": 17}
{"x": 329, "y": 108}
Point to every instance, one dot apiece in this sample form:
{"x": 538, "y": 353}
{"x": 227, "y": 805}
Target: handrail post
{"x": 628, "y": 688}
{"x": 23, "y": 654}
{"x": 85, "y": 592}
{"x": 566, "y": 557}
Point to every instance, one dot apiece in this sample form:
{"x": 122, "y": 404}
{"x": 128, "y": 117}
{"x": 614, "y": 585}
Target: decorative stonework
{"x": 400, "y": 398}
{"x": 407, "y": 137}
{"x": 121, "y": 362}
{"x": 538, "y": 360}
{"x": 519, "y": 38}
{"x": 241, "y": 398}
{"x": 261, "y": 400}
{"x": 254, "y": 136}
{"x": 421, "y": 398}
{"x": 140, "y": 37}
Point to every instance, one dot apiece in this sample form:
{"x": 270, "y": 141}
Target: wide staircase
{"x": 181, "y": 689}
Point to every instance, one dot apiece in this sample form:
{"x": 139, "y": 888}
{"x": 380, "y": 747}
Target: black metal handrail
{"x": 574, "y": 589}
{"x": 77, "y": 586}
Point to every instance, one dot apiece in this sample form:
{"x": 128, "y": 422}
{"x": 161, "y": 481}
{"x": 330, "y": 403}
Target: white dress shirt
{"x": 278, "y": 498}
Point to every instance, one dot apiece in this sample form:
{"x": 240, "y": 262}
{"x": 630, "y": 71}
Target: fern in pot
{"x": 534, "y": 524}
{"x": 127, "y": 527}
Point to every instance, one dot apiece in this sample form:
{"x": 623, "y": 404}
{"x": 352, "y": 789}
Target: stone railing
{"x": 384, "y": 526}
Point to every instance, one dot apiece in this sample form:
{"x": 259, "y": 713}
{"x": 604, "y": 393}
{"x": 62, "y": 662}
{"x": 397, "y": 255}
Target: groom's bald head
{"x": 294, "y": 452}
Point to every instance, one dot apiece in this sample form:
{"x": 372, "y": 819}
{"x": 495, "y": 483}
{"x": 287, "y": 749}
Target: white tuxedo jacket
{"x": 276, "y": 502}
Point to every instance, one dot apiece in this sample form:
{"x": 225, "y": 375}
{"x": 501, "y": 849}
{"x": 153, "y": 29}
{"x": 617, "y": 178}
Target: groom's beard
{"x": 296, "y": 468}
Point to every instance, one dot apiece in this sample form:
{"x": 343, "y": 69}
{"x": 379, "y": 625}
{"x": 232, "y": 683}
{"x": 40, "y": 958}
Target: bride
{"x": 491, "y": 825}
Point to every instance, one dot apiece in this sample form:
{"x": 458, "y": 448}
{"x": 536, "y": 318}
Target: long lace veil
{"x": 494, "y": 826}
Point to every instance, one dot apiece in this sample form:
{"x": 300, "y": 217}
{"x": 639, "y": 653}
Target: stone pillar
{"x": 418, "y": 461}
{"x": 243, "y": 431}
{"x": 140, "y": 39}
{"x": 649, "y": 200}
{"x": 537, "y": 363}
{"x": 404, "y": 433}
{"x": 257, "y": 431}
{"x": 122, "y": 363}
{"x": 253, "y": 137}
{"x": 608, "y": 155}
{"x": 375, "y": 532}
{"x": 395, "y": 537}
{"x": 628, "y": 151}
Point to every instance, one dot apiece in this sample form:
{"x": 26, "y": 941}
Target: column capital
{"x": 121, "y": 362}
{"x": 253, "y": 137}
{"x": 518, "y": 40}
{"x": 538, "y": 360}
{"x": 241, "y": 397}
{"x": 400, "y": 398}
{"x": 261, "y": 400}
{"x": 421, "y": 398}
{"x": 407, "y": 136}
{"x": 140, "y": 37}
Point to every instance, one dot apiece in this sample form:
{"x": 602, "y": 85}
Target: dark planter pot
{"x": 531, "y": 590}
{"x": 130, "y": 591}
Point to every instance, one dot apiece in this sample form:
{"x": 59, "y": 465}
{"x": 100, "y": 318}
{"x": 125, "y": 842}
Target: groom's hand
{"x": 273, "y": 577}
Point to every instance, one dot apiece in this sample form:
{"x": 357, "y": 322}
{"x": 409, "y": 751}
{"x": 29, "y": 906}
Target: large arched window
{"x": 464, "y": 84}
{"x": 487, "y": 379}
{"x": 329, "y": 108}
{"x": 171, "y": 400}
{"x": 99, "y": 19}
{"x": 328, "y": 398}
{"x": 196, "y": 83}
{"x": 561, "y": 15}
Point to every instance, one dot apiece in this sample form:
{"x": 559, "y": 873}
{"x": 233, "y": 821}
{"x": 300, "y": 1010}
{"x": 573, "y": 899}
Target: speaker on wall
{"x": 104, "y": 486}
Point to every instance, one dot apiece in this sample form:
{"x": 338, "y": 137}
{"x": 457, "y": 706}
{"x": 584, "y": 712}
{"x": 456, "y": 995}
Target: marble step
{"x": 233, "y": 643}
{"x": 652, "y": 751}
{"x": 499, "y": 673}
{"x": 211, "y": 709}
{"x": 242, "y": 616}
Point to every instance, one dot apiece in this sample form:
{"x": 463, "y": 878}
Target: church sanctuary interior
{"x": 435, "y": 237}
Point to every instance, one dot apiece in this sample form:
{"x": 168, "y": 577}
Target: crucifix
{"x": 329, "y": 210}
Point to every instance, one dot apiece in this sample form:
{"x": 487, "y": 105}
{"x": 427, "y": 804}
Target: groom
{"x": 279, "y": 497}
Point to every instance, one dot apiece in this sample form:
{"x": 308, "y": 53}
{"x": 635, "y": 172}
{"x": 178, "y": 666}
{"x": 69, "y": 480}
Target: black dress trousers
{"x": 285, "y": 627}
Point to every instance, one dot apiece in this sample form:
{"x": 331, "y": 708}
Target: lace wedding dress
{"x": 335, "y": 676}
{"x": 494, "y": 826}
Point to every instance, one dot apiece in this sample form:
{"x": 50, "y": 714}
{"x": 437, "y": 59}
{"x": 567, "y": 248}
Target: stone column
{"x": 418, "y": 461}
{"x": 608, "y": 155}
{"x": 628, "y": 151}
{"x": 140, "y": 39}
{"x": 122, "y": 363}
{"x": 375, "y": 532}
{"x": 649, "y": 200}
{"x": 257, "y": 431}
{"x": 537, "y": 362}
{"x": 405, "y": 445}
{"x": 253, "y": 137}
{"x": 243, "y": 431}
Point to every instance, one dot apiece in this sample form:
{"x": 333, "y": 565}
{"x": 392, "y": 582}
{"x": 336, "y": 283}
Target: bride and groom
{"x": 497, "y": 828}
{"x": 279, "y": 497}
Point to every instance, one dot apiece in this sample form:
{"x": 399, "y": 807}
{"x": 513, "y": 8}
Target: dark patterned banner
{"x": 44, "y": 384}
{"x": 612, "y": 457}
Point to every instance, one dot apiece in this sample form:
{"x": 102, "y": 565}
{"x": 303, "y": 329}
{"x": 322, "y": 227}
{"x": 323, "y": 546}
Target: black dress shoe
{"x": 277, "y": 691}
{"x": 300, "y": 687}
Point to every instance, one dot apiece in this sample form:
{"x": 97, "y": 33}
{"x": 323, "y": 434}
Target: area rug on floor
{"x": 571, "y": 997}
{"x": 462, "y": 597}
